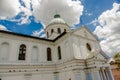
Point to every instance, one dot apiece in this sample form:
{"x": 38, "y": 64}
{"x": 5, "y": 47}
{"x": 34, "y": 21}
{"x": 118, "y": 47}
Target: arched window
{"x": 64, "y": 30}
{"x": 59, "y": 53}
{"x": 59, "y": 30}
{"x": 49, "y": 55}
{"x": 47, "y": 34}
{"x": 22, "y": 52}
{"x": 52, "y": 30}
{"x": 88, "y": 46}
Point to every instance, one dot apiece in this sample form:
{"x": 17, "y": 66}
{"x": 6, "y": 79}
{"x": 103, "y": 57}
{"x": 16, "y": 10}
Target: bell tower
{"x": 56, "y": 27}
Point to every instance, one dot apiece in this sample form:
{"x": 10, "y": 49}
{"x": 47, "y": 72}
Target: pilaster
{"x": 109, "y": 73}
{"x": 96, "y": 75}
{"x": 80, "y": 75}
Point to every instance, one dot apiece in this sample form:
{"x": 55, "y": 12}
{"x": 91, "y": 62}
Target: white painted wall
{"x": 29, "y": 76}
{"x": 79, "y": 46}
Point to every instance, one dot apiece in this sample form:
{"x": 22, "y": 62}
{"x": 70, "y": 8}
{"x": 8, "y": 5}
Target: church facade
{"x": 64, "y": 55}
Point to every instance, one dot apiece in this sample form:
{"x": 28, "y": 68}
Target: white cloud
{"x": 25, "y": 18}
{"x": 43, "y": 10}
{"x": 9, "y": 8}
{"x": 88, "y": 13}
{"x": 27, "y": 12}
{"x": 109, "y": 29}
{"x": 3, "y": 28}
{"x": 70, "y": 10}
{"x": 39, "y": 33}
{"x": 94, "y": 22}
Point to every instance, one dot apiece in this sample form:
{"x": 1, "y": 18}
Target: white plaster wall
{"x": 76, "y": 48}
{"x": 29, "y": 76}
{"x": 30, "y": 43}
{"x": 66, "y": 50}
{"x": 80, "y": 49}
{"x": 80, "y": 75}
{"x": 66, "y": 75}
{"x": 46, "y": 76}
{"x": 13, "y": 77}
{"x": 4, "y": 49}
{"x": 42, "y": 50}
{"x": 3, "y": 40}
{"x": 84, "y": 32}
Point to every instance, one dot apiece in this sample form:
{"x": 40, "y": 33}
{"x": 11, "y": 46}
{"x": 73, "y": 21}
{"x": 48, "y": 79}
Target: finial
{"x": 56, "y": 16}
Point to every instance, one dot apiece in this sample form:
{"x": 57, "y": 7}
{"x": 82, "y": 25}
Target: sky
{"x": 30, "y": 17}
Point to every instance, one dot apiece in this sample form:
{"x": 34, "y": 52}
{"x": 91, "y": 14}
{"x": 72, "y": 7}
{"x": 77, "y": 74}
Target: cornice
{"x": 32, "y": 37}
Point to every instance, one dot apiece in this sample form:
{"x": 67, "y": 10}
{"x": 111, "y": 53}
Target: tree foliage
{"x": 116, "y": 57}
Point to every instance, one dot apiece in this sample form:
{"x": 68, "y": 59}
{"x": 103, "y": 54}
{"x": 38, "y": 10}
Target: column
{"x": 96, "y": 75}
{"x": 83, "y": 76}
{"x": 79, "y": 75}
{"x": 88, "y": 75}
{"x": 109, "y": 73}
{"x": 56, "y": 76}
{"x": 102, "y": 73}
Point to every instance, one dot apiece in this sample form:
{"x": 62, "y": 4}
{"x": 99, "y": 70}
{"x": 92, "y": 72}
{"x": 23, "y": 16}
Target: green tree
{"x": 116, "y": 57}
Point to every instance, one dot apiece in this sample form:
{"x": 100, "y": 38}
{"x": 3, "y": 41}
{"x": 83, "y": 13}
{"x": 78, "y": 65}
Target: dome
{"x": 57, "y": 19}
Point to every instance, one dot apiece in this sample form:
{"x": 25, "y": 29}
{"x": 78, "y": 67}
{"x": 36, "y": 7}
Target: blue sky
{"x": 31, "y": 16}
{"x": 92, "y": 9}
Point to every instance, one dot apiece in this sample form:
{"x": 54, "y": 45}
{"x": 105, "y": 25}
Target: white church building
{"x": 64, "y": 55}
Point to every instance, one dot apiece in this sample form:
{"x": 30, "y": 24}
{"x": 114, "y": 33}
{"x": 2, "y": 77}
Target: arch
{"x": 4, "y": 51}
{"x": 52, "y": 30}
{"x": 34, "y": 55}
{"x": 88, "y": 46}
{"x": 59, "y": 53}
{"x": 22, "y": 52}
{"x": 49, "y": 55}
{"x": 64, "y": 30}
{"x": 59, "y": 30}
{"x": 47, "y": 34}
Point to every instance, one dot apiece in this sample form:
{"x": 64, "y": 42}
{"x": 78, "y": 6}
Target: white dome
{"x": 57, "y": 19}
